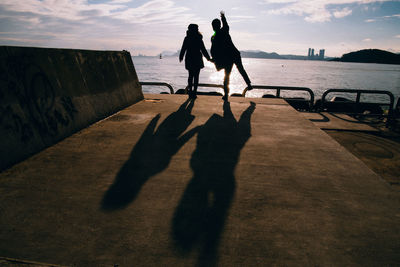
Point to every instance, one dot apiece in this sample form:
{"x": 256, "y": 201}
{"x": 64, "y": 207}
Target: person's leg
{"x": 190, "y": 83}
{"x": 242, "y": 71}
{"x": 196, "y": 74}
{"x": 228, "y": 70}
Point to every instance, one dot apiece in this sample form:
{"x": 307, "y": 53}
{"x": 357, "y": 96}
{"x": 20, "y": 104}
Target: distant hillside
{"x": 245, "y": 54}
{"x": 370, "y": 56}
{"x": 260, "y": 54}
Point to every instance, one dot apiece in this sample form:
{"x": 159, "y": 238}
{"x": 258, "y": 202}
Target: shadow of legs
{"x": 150, "y": 155}
{"x": 201, "y": 214}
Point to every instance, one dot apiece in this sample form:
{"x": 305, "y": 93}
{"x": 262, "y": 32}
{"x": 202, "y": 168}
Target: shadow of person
{"x": 200, "y": 216}
{"x": 151, "y": 155}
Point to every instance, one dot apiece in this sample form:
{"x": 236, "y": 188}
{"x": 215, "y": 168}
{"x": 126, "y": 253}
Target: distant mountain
{"x": 169, "y": 53}
{"x": 260, "y": 54}
{"x": 245, "y": 54}
{"x": 296, "y": 57}
{"x": 370, "y": 56}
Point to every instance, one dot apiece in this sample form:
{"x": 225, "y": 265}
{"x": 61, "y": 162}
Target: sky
{"x": 150, "y": 27}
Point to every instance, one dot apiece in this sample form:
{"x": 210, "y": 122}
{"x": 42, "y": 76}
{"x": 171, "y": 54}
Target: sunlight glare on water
{"x": 316, "y": 75}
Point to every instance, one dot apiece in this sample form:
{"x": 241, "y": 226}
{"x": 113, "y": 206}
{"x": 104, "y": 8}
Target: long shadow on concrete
{"x": 200, "y": 216}
{"x": 151, "y": 155}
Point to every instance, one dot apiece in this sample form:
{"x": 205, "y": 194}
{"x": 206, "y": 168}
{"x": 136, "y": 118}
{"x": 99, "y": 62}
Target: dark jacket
{"x": 223, "y": 51}
{"x": 194, "y": 48}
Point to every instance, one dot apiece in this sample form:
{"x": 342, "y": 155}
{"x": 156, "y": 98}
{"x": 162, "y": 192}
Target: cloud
{"x": 395, "y": 16}
{"x": 240, "y": 18}
{"x": 367, "y": 40}
{"x": 66, "y": 9}
{"x": 397, "y": 36}
{"x": 108, "y": 24}
{"x": 120, "y": 1}
{"x": 315, "y": 11}
{"x": 392, "y": 16}
{"x": 342, "y": 13}
{"x": 78, "y": 10}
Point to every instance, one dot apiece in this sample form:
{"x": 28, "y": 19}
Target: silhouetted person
{"x": 194, "y": 48}
{"x": 200, "y": 216}
{"x": 151, "y": 155}
{"x": 225, "y": 54}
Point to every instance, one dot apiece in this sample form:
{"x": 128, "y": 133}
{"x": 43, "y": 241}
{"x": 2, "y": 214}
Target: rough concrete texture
{"x": 171, "y": 183}
{"x": 337, "y": 121}
{"x": 368, "y": 140}
{"x": 48, "y": 94}
{"x": 9, "y": 262}
{"x": 377, "y": 151}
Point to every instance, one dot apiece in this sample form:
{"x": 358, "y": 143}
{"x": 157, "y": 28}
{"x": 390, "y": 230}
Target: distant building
{"x": 312, "y": 56}
{"x": 322, "y": 54}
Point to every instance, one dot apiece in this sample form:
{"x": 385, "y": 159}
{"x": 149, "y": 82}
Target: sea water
{"x": 319, "y": 76}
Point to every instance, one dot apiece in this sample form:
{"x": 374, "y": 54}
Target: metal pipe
{"x": 283, "y": 88}
{"x": 171, "y": 89}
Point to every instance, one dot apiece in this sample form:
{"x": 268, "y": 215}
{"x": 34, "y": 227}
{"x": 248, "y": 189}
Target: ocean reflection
{"x": 316, "y": 75}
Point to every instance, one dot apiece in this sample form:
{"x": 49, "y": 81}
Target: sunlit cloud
{"x": 240, "y": 18}
{"x": 316, "y": 11}
{"x": 78, "y": 10}
{"x": 159, "y": 11}
{"x": 367, "y": 40}
{"x": 120, "y": 1}
{"x": 152, "y": 26}
{"x": 342, "y": 13}
{"x": 109, "y": 24}
{"x": 68, "y": 10}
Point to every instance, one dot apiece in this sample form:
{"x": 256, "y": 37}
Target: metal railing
{"x": 285, "y": 88}
{"x": 358, "y": 93}
{"x": 358, "y": 107}
{"x": 171, "y": 89}
{"x": 209, "y": 85}
{"x": 310, "y": 102}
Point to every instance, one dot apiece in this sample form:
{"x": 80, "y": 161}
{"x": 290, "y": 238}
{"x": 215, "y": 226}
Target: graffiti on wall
{"x": 28, "y": 101}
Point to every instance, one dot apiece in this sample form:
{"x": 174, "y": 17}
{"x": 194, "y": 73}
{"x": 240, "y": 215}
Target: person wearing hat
{"x": 193, "y": 47}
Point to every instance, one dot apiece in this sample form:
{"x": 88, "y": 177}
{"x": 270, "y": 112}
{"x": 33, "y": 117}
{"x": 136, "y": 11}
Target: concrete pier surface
{"x": 172, "y": 182}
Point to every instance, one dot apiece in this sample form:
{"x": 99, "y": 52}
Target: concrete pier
{"x": 47, "y": 94}
{"x": 168, "y": 182}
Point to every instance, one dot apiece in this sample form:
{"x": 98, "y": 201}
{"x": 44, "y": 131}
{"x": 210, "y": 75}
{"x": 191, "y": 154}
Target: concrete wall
{"x": 48, "y": 94}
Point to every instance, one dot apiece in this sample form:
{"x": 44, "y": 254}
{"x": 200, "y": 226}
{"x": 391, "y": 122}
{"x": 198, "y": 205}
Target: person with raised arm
{"x": 225, "y": 54}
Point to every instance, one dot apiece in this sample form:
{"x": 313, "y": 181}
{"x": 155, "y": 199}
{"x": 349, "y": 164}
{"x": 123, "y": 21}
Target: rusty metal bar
{"x": 171, "y": 89}
{"x": 359, "y": 92}
{"x": 284, "y": 88}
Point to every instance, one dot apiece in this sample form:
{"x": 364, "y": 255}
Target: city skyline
{"x": 150, "y": 27}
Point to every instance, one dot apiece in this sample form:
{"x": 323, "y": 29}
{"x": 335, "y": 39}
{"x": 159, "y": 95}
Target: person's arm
{"x": 183, "y": 50}
{"x": 224, "y": 22}
{"x": 204, "y": 51}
